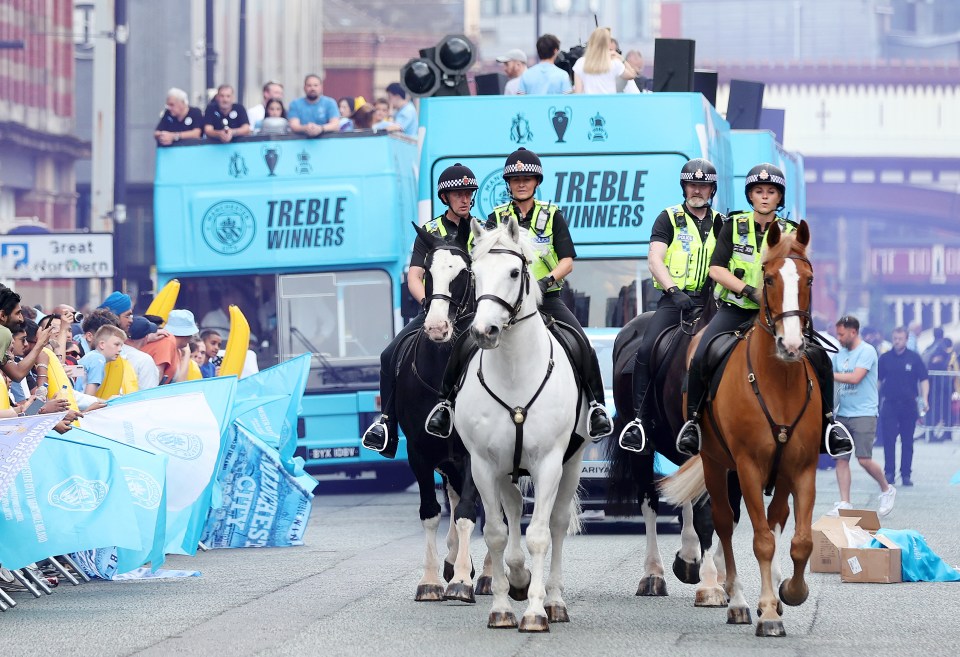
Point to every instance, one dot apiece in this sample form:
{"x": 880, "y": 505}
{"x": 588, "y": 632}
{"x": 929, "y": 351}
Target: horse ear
{"x": 513, "y": 229}
{"x": 476, "y": 227}
{"x": 803, "y": 232}
{"x": 427, "y": 237}
{"x": 773, "y": 234}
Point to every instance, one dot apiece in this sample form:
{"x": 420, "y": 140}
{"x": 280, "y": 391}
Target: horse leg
{"x": 764, "y": 547}
{"x": 485, "y": 581}
{"x": 430, "y": 588}
{"x": 517, "y": 572}
{"x": 546, "y": 478}
{"x": 794, "y": 591}
{"x": 495, "y": 536}
{"x": 465, "y": 517}
{"x": 686, "y": 565}
{"x": 652, "y": 582}
{"x": 452, "y": 537}
{"x": 709, "y": 593}
{"x": 777, "y": 514}
{"x": 563, "y": 521}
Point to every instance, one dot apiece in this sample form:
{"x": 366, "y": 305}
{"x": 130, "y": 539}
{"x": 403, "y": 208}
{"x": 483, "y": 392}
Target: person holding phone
{"x": 11, "y": 316}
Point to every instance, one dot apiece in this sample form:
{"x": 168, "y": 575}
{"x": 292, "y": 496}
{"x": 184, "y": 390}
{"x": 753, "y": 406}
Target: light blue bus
{"x": 311, "y": 238}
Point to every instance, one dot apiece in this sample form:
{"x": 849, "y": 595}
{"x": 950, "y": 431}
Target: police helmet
{"x": 699, "y": 170}
{"x": 766, "y": 174}
{"x": 522, "y": 162}
{"x": 456, "y": 177}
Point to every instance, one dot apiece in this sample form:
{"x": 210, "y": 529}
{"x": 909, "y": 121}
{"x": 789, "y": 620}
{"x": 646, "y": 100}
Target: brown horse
{"x": 764, "y": 422}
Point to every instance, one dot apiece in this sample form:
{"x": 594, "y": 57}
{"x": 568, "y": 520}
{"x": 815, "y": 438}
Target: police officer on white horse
{"x": 455, "y": 189}
{"x": 550, "y": 235}
{"x": 681, "y": 243}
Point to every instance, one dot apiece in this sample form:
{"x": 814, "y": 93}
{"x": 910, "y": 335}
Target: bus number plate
{"x": 318, "y": 453}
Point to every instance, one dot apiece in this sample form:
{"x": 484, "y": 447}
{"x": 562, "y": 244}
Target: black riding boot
{"x": 381, "y": 436}
{"x": 688, "y": 442}
{"x": 633, "y": 438}
{"x": 598, "y": 422}
{"x": 440, "y": 421}
{"x": 836, "y": 440}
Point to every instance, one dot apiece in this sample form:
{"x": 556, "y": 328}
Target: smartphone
{"x": 34, "y": 407}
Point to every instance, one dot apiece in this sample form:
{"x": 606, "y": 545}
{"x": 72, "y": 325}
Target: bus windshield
{"x": 607, "y": 292}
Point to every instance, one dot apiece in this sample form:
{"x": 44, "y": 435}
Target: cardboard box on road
{"x": 831, "y": 553}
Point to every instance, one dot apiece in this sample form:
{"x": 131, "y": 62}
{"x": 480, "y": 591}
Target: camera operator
{"x": 65, "y": 316}
{"x": 546, "y": 77}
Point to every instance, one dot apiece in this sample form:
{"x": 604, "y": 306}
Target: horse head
{"x": 501, "y": 259}
{"x": 448, "y": 286}
{"x": 787, "y": 283}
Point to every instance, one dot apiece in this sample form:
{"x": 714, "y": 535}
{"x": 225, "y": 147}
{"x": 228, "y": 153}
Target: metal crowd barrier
{"x": 942, "y": 421}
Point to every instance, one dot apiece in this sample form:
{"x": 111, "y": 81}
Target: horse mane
{"x": 788, "y": 244}
{"x": 501, "y": 236}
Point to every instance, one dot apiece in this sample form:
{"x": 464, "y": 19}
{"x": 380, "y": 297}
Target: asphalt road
{"x": 350, "y": 590}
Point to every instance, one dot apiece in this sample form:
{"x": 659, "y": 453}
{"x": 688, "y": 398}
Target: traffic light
{"x": 441, "y": 70}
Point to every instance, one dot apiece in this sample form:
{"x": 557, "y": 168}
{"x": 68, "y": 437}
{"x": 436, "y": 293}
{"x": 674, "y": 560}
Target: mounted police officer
{"x": 455, "y": 188}
{"x": 737, "y": 268}
{"x": 681, "y": 244}
{"x": 550, "y": 235}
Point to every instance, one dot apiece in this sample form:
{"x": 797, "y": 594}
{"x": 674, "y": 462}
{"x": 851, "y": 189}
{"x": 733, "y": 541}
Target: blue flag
{"x": 69, "y": 497}
{"x": 19, "y": 437}
{"x": 145, "y": 474}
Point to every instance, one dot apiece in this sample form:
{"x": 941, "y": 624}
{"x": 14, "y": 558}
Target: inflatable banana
{"x": 235, "y": 353}
{"x": 119, "y": 378}
{"x": 57, "y": 380}
{"x": 4, "y": 394}
{"x": 165, "y": 301}
{"x": 193, "y": 371}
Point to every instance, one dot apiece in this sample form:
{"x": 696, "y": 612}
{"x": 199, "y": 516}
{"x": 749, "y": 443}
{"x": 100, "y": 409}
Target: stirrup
{"x": 635, "y": 423}
{"x": 370, "y": 435}
{"x": 596, "y": 411}
{"x": 683, "y": 430}
{"x": 443, "y": 406}
{"x": 843, "y": 433}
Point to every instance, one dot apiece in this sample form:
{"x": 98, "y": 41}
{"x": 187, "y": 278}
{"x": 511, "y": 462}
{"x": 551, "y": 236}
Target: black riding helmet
{"x": 522, "y": 162}
{"x": 455, "y": 178}
{"x": 699, "y": 170}
{"x": 766, "y": 174}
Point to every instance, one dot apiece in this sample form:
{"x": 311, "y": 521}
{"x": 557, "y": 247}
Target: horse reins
{"x": 514, "y": 308}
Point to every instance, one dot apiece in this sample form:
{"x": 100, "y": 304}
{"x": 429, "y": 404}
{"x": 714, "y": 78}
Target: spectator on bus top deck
{"x": 225, "y": 119}
{"x": 601, "y": 66}
{"x": 275, "y": 122}
{"x": 545, "y": 77}
{"x": 514, "y": 65}
{"x": 314, "y": 113}
{"x": 271, "y": 91}
{"x": 179, "y": 121}
{"x": 404, "y": 113}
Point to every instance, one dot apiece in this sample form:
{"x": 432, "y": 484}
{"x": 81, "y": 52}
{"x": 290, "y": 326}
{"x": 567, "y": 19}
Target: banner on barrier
{"x": 19, "y": 437}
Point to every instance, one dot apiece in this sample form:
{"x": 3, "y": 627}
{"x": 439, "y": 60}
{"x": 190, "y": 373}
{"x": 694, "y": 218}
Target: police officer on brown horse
{"x": 455, "y": 188}
{"x": 681, "y": 243}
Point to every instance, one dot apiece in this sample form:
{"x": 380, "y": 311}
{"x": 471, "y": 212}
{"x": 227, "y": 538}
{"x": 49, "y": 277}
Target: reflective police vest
{"x": 688, "y": 256}
{"x": 746, "y": 257}
{"x": 436, "y": 227}
{"x": 541, "y": 236}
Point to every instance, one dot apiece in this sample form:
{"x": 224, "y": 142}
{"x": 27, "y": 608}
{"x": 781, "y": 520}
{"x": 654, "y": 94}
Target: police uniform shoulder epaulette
{"x": 430, "y": 226}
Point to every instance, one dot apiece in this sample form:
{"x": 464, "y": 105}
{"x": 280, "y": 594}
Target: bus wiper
{"x": 324, "y": 362}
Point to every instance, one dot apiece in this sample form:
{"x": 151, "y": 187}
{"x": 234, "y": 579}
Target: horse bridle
{"x": 514, "y": 308}
{"x": 464, "y": 301}
{"x": 770, "y": 321}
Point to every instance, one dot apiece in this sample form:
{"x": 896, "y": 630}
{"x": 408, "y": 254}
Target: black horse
{"x": 632, "y": 476}
{"x": 419, "y": 365}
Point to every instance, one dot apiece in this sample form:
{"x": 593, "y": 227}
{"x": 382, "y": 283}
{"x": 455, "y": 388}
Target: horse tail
{"x": 686, "y": 485}
{"x": 576, "y": 524}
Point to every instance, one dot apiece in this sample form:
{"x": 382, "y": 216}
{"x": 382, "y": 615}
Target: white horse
{"x": 518, "y": 408}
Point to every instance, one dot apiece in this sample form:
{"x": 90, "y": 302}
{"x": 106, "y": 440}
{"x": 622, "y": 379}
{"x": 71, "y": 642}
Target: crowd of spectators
{"x": 310, "y": 115}
{"x": 56, "y": 360}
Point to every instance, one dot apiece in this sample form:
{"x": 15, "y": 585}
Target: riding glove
{"x": 681, "y": 299}
{"x": 750, "y": 291}
{"x": 546, "y": 283}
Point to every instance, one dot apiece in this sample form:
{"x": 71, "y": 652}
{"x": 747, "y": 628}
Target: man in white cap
{"x": 514, "y": 64}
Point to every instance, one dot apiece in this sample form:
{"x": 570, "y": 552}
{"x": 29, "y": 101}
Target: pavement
{"x": 349, "y": 591}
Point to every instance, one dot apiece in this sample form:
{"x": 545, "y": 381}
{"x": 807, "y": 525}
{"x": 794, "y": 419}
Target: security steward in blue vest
{"x": 455, "y": 188}
{"x": 681, "y": 244}
{"x": 737, "y": 269}
{"x": 550, "y": 235}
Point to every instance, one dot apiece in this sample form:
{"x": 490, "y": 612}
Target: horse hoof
{"x": 459, "y": 591}
{"x": 779, "y": 610}
{"x": 652, "y": 585}
{"x": 557, "y": 614}
{"x": 519, "y": 593}
{"x": 738, "y": 616}
{"x": 484, "y": 586}
{"x": 686, "y": 572}
{"x": 447, "y": 571}
{"x": 502, "y": 619}
{"x": 536, "y": 623}
{"x": 714, "y": 597}
{"x": 770, "y": 628}
{"x": 788, "y": 599}
{"x": 429, "y": 593}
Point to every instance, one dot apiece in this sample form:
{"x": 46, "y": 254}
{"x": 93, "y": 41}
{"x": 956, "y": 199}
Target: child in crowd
{"x": 107, "y": 343}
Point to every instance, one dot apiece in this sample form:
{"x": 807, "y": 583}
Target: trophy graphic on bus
{"x": 271, "y": 155}
{"x": 560, "y": 117}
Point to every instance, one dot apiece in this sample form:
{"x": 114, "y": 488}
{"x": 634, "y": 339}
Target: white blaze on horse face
{"x": 792, "y": 337}
{"x": 443, "y": 271}
{"x": 492, "y": 276}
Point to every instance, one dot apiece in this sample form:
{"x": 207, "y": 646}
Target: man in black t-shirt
{"x": 179, "y": 121}
{"x": 225, "y": 119}
{"x": 902, "y": 376}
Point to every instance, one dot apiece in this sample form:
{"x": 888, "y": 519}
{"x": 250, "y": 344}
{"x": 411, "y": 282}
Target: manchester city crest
{"x": 493, "y": 192}
{"x": 186, "y": 446}
{"x": 228, "y": 227}
{"x": 144, "y": 488}
{"x": 78, "y": 494}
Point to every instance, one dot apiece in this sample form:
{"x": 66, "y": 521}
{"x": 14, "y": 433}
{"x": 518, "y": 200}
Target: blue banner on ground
{"x": 263, "y": 504}
{"x": 69, "y": 497}
{"x": 19, "y": 437}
